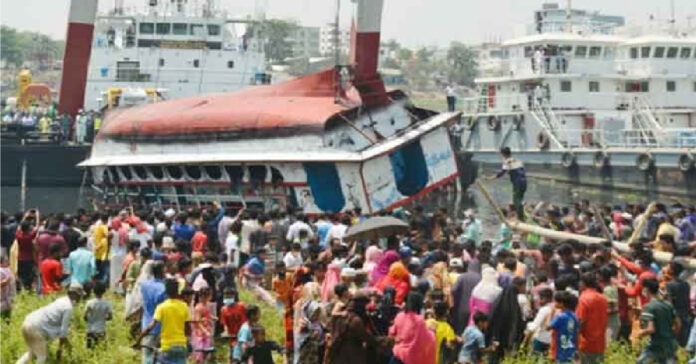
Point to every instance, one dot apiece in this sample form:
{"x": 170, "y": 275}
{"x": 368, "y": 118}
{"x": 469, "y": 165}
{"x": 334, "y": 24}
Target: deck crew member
{"x": 515, "y": 168}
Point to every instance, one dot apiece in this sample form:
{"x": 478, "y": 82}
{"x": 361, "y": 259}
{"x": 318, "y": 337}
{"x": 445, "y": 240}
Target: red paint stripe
{"x": 78, "y": 46}
{"x": 424, "y": 191}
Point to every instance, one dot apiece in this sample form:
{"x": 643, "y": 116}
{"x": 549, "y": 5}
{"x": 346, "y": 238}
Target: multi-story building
{"x": 328, "y": 40}
{"x": 305, "y": 42}
{"x": 553, "y": 18}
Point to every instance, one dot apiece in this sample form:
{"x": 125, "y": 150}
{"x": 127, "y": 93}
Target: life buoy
{"x": 601, "y": 159}
{"x": 542, "y": 140}
{"x": 644, "y": 161}
{"x": 517, "y": 121}
{"x": 568, "y": 159}
{"x": 493, "y": 123}
{"x": 686, "y": 162}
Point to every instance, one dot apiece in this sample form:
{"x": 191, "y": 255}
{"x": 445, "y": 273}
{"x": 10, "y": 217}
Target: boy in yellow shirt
{"x": 102, "y": 236}
{"x": 444, "y": 334}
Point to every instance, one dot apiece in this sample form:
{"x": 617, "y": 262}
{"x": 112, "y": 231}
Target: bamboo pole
{"x": 662, "y": 257}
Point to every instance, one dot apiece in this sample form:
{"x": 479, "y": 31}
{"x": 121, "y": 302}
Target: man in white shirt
{"x": 451, "y": 97}
{"x": 293, "y": 258}
{"x": 48, "y": 323}
{"x": 299, "y": 224}
{"x": 537, "y": 329}
{"x": 248, "y": 226}
{"x": 338, "y": 230}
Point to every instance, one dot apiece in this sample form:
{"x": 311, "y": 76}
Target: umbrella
{"x": 376, "y": 227}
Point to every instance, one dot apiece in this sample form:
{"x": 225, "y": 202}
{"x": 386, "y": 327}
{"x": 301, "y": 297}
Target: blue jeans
{"x": 103, "y": 268}
{"x": 174, "y": 355}
{"x": 649, "y": 357}
{"x": 149, "y": 354}
{"x": 539, "y": 347}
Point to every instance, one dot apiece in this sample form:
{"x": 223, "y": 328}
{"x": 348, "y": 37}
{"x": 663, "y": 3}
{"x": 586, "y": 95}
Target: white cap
{"x": 168, "y": 242}
{"x": 348, "y": 272}
{"x": 456, "y": 262}
{"x": 469, "y": 212}
{"x": 169, "y": 213}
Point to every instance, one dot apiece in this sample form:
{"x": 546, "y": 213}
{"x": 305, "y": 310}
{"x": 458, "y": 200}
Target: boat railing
{"x": 494, "y": 104}
{"x": 601, "y": 138}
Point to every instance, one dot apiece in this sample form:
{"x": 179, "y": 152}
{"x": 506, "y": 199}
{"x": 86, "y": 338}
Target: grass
{"x": 117, "y": 347}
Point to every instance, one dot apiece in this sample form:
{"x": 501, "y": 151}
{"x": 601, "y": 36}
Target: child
{"x": 97, "y": 312}
{"x": 245, "y": 339}
{"x": 536, "y": 329}
{"x": 260, "y": 353}
{"x": 52, "y": 270}
{"x": 444, "y": 334}
{"x": 202, "y": 325}
{"x": 474, "y": 342}
{"x": 232, "y": 315}
{"x": 565, "y": 329}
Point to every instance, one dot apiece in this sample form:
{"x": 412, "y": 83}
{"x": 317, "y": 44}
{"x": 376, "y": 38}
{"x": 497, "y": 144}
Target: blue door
{"x": 325, "y": 185}
{"x": 410, "y": 169}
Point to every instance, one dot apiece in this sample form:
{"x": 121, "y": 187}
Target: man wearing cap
{"x": 47, "y": 323}
{"x": 472, "y": 227}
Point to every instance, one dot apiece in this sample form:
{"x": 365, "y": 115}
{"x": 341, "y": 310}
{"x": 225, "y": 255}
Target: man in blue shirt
{"x": 518, "y": 178}
{"x": 565, "y": 328}
{"x": 81, "y": 264}
{"x": 182, "y": 229}
{"x": 154, "y": 293}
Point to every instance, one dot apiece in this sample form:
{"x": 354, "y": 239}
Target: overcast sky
{"x": 411, "y": 22}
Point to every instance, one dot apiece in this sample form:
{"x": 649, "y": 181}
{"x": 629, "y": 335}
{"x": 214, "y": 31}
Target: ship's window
{"x": 236, "y": 173}
{"x": 644, "y": 86}
{"x": 528, "y": 52}
{"x": 580, "y": 51}
{"x": 694, "y": 86}
{"x": 146, "y": 28}
{"x": 595, "y": 52}
{"x": 276, "y": 176}
{"x": 116, "y": 178}
{"x": 180, "y": 28}
{"x": 324, "y": 187}
{"x": 174, "y": 172}
{"x": 197, "y": 29}
{"x": 685, "y": 52}
{"x": 566, "y": 86}
{"x": 127, "y": 71}
{"x": 140, "y": 172}
{"x": 644, "y": 52}
{"x": 608, "y": 52}
{"x": 126, "y": 172}
{"x": 634, "y": 53}
{"x": 671, "y": 86}
{"x": 157, "y": 172}
{"x": 409, "y": 168}
{"x": 161, "y": 62}
{"x": 672, "y": 52}
{"x": 257, "y": 174}
{"x": 213, "y": 172}
{"x": 230, "y": 64}
{"x": 193, "y": 171}
{"x": 594, "y": 86}
{"x": 565, "y": 49}
{"x": 213, "y": 29}
{"x": 163, "y": 28}
{"x": 196, "y": 63}
{"x": 659, "y": 52}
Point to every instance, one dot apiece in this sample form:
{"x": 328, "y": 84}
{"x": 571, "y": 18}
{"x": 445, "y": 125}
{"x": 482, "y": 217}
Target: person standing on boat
{"x": 518, "y": 177}
{"x": 451, "y": 97}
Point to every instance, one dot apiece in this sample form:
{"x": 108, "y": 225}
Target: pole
{"x": 23, "y": 190}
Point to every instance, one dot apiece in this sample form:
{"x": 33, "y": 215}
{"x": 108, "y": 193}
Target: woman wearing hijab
{"x": 382, "y": 268}
{"x": 309, "y": 335}
{"x": 399, "y": 278}
{"x": 439, "y": 280}
{"x": 372, "y": 257}
{"x": 311, "y": 291}
{"x": 485, "y": 293}
{"x": 461, "y": 295}
{"x": 333, "y": 277}
{"x": 506, "y": 324}
{"x": 414, "y": 342}
{"x": 352, "y": 335}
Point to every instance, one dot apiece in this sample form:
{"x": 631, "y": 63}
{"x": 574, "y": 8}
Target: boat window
{"x": 230, "y": 64}
{"x": 659, "y": 52}
{"x": 257, "y": 174}
{"x": 180, "y": 28}
{"x": 566, "y": 86}
{"x": 644, "y": 52}
{"x": 115, "y": 177}
{"x": 594, "y": 86}
{"x": 634, "y": 53}
{"x": 671, "y": 86}
{"x": 127, "y": 71}
{"x": 566, "y": 49}
{"x": 163, "y": 28}
{"x": 193, "y": 172}
{"x": 580, "y": 51}
{"x": 156, "y": 172}
{"x": 235, "y": 173}
{"x": 196, "y": 63}
{"x": 528, "y": 52}
{"x": 174, "y": 172}
{"x": 685, "y": 52}
{"x": 161, "y": 62}
{"x": 197, "y": 29}
{"x": 324, "y": 187}
{"x": 126, "y": 172}
{"x": 609, "y": 52}
{"x": 694, "y": 86}
{"x": 140, "y": 172}
{"x": 276, "y": 176}
{"x": 672, "y": 52}
{"x": 213, "y": 172}
{"x": 146, "y": 28}
{"x": 595, "y": 52}
{"x": 213, "y": 29}
{"x": 409, "y": 168}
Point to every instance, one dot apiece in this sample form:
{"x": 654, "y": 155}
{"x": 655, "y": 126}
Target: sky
{"x": 411, "y": 22}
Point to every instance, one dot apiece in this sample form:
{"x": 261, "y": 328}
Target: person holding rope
{"x": 518, "y": 177}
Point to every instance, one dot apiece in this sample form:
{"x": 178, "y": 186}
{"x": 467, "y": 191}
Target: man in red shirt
{"x": 52, "y": 271}
{"x": 49, "y": 237}
{"x": 199, "y": 241}
{"x": 26, "y": 264}
{"x": 232, "y": 315}
{"x": 593, "y": 314}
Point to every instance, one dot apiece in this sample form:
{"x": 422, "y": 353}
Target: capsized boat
{"x": 326, "y": 142}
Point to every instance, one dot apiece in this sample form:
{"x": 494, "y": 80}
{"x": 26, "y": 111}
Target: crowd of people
{"x": 44, "y": 122}
{"x": 443, "y": 291}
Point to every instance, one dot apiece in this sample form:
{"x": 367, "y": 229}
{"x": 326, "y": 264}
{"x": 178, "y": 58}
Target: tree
{"x": 19, "y": 47}
{"x": 10, "y": 47}
{"x": 276, "y": 38}
{"x": 461, "y": 64}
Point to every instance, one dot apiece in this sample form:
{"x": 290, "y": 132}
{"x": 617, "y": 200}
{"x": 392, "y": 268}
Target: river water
{"x": 67, "y": 199}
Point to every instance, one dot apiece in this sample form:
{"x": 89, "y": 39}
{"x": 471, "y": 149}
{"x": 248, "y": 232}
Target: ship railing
{"x": 600, "y": 138}
{"x": 494, "y": 104}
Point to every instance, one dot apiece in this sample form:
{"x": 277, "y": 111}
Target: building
{"x": 328, "y": 41}
{"x": 305, "y": 42}
{"x": 553, "y": 18}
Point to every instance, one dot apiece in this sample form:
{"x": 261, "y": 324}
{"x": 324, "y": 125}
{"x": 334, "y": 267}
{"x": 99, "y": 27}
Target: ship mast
{"x": 569, "y": 16}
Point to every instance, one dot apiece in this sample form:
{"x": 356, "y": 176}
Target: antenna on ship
{"x": 569, "y": 16}
{"x": 672, "y": 20}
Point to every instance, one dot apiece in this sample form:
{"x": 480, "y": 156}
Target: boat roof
{"x": 660, "y": 39}
{"x": 563, "y": 37}
{"x": 300, "y": 105}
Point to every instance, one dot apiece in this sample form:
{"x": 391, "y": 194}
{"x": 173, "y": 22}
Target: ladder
{"x": 650, "y": 130}
{"x": 541, "y": 111}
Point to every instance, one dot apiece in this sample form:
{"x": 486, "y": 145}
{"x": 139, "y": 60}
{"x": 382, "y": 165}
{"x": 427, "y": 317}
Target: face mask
{"x": 228, "y": 301}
